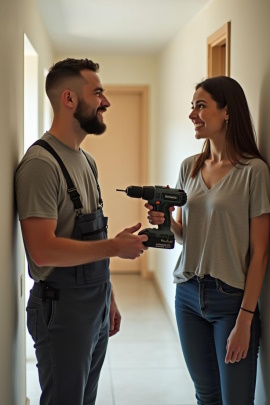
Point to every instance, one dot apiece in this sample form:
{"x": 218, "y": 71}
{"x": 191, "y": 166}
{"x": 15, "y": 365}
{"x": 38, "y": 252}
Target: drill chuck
{"x": 146, "y": 192}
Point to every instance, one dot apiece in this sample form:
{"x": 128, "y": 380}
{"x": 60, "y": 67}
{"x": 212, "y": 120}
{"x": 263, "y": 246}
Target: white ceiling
{"x": 137, "y": 27}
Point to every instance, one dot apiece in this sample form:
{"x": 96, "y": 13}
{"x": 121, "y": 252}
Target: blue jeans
{"x": 206, "y": 311}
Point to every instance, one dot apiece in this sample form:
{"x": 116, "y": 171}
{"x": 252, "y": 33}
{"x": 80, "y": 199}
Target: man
{"x": 71, "y": 310}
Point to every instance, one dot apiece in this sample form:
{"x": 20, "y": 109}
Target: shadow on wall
{"x": 263, "y": 388}
{"x": 18, "y": 344}
{"x": 264, "y": 118}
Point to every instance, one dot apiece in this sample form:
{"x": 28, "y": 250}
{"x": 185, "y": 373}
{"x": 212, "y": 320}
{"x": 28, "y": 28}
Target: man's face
{"x": 89, "y": 120}
{"x": 91, "y": 104}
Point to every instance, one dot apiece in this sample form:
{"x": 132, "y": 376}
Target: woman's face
{"x": 209, "y": 120}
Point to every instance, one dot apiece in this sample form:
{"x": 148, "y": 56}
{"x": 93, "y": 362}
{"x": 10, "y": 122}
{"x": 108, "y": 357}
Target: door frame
{"x": 218, "y": 51}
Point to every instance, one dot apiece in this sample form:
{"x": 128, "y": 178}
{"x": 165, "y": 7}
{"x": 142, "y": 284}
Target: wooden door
{"x": 120, "y": 154}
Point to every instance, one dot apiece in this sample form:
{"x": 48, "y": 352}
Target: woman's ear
{"x": 227, "y": 116}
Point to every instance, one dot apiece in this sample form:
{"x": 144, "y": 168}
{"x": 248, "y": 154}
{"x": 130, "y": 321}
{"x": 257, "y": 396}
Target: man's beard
{"x": 91, "y": 125}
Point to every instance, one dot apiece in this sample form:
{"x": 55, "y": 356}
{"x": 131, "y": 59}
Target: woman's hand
{"x": 238, "y": 343}
{"x": 156, "y": 217}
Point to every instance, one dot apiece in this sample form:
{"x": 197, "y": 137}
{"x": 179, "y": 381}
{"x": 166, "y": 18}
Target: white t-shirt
{"x": 216, "y": 221}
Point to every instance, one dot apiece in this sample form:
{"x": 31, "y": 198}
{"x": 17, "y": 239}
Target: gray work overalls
{"x": 68, "y": 315}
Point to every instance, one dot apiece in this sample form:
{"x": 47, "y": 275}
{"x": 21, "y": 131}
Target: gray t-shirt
{"x": 41, "y": 190}
{"x": 216, "y": 221}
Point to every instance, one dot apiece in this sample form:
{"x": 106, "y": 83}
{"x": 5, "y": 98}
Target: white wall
{"x": 181, "y": 65}
{"x": 16, "y": 17}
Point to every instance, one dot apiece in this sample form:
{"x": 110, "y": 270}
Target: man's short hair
{"x": 66, "y": 69}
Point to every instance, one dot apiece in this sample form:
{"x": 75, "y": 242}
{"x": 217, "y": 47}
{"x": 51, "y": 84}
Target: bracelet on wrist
{"x": 247, "y": 310}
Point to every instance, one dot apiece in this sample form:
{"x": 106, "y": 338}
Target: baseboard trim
{"x": 145, "y": 274}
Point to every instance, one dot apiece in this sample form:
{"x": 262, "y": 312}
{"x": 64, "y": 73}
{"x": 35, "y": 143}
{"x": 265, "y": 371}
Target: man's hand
{"x": 115, "y": 317}
{"x": 130, "y": 246}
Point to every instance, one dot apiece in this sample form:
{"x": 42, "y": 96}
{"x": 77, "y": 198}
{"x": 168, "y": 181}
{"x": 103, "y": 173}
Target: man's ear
{"x": 68, "y": 98}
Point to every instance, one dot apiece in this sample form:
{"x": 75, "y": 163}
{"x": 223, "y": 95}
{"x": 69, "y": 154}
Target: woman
{"x": 224, "y": 229}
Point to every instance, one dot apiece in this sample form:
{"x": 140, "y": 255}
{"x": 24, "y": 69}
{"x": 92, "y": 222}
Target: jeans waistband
{"x": 206, "y": 278}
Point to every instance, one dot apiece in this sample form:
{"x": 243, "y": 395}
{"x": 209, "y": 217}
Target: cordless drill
{"x": 161, "y": 199}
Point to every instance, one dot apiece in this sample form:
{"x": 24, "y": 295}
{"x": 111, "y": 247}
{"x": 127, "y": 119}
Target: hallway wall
{"x": 16, "y": 18}
{"x": 181, "y": 65}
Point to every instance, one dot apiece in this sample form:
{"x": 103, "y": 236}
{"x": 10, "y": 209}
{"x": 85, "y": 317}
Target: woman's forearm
{"x": 259, "y": 239}
{"x": 254, "y": 282}
{"x": 177, "y": 229}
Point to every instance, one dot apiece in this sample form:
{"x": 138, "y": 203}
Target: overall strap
{"x": 95, "y": 175}
{"x": 72, "y": 190}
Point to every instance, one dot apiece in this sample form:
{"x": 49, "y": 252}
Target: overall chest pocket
{"x": 92, "y": 227}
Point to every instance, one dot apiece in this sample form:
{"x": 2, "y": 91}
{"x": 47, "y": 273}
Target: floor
{"x": 144, "y": 363}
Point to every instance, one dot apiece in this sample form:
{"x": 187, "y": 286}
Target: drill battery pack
{"x": 158, "y": 239}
